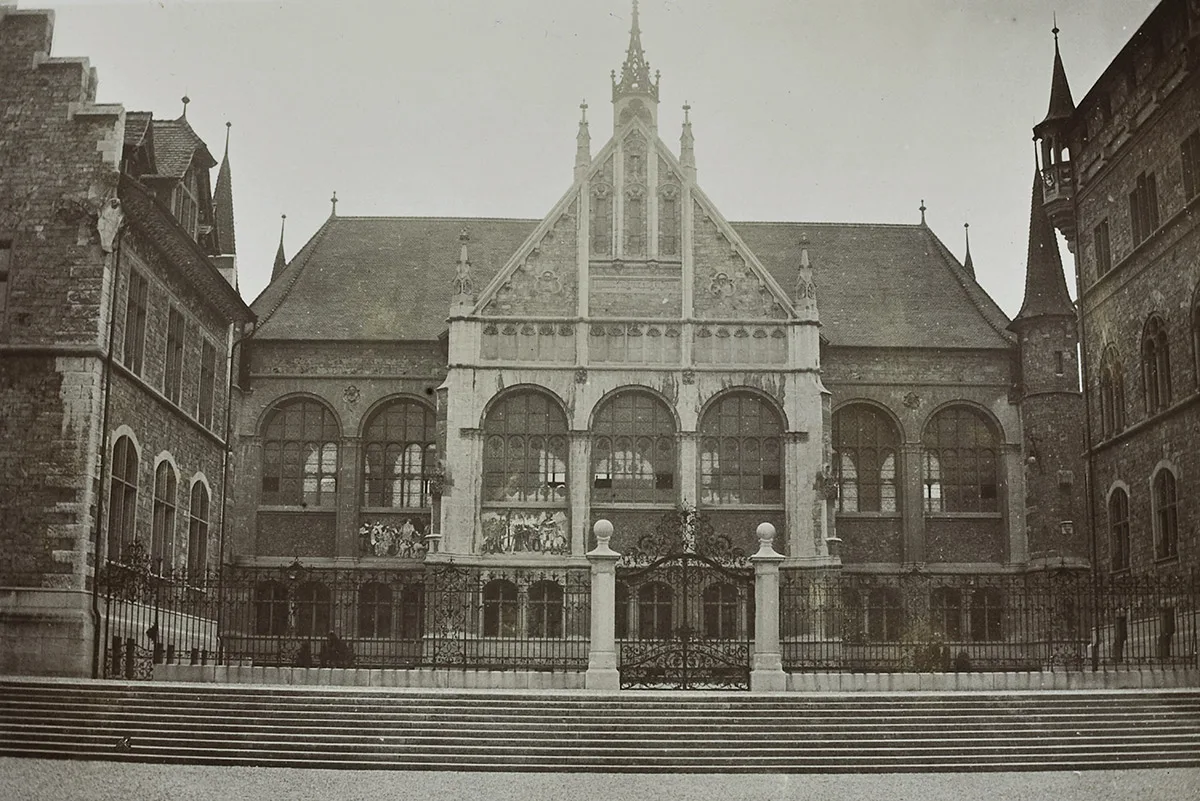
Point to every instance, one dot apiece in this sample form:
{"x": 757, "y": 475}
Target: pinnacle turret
{"x": 636, "y": 93}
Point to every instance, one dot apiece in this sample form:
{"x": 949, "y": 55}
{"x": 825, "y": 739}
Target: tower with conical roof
{"x": 1054, "y": 154}
{"x": 1050, "y": 398}
{"x": 226, "y": 244}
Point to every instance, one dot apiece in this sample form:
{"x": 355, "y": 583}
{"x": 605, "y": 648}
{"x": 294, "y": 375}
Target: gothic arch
{"x": 612, "y": 393}
{"x": 743, "y": 389}
{"x": 268, "y": 412}
{"x": 503, "y": 394}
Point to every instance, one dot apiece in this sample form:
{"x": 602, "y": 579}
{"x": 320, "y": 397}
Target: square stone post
{"x": 766, "y": 673}
{"x": 602, "y": 673}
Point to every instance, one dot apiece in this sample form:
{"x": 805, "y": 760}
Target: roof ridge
{"x": 964, "y": 282}
{"x": 843, "y": 224}
{"x": 390, "y": 217}
{"x": 295, "y": 269}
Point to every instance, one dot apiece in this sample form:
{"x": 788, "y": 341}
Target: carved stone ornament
{"x": 548, "y": 283}
{"x": 912, "y": 401}
{"x": 581, "y": 375}
{"x": 109, "y": 223}
{"x": 722, "y": 286}
{"x": 689, "y": 377}
{"x": 351, "y": 394}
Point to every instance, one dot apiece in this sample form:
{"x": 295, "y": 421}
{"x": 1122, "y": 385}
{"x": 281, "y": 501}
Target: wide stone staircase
{"x": 324, "y": 727}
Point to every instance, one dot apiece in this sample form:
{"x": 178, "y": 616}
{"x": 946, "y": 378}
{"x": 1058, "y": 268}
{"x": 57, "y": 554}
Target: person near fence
{"x": 336, "y": 652}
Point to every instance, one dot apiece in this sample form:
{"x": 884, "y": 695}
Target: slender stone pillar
{"x": 602, "y": 671}
{"x": 766, "y": 673}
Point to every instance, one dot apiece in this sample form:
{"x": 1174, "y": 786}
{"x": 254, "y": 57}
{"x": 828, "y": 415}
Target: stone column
{"x": 689, "y": 461}
{"x": 797, "y": 490}
{"x": 602, "y": 673}
{"x": 349, "y": 499}
{"x": 766, "y": 673}
{"x": 579, "y": 470}
{"x": 912, "y": 500}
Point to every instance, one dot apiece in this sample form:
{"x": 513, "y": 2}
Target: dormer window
{"x": 184, "y": 204}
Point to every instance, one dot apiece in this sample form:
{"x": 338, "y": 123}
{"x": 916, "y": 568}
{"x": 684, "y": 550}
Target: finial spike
{"x": 282, "y": 225}
{"x": 185, "y": 99}
{"x": 922, "y": 211}
{"x": 333, "y": 202}
{"x": 1054, "y": 30}
{"x": 228, "y": 125}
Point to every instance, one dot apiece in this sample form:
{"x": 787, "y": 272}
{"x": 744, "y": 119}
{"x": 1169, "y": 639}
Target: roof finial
{"x": 280, "y": 258}
{"x": 968, "y": 265}
{"x": 636, "y": 92}
{"x": 282, "y": 225}
{"x": 333, "y": 202}
{"x": 922, "y": 211}
{"x": 462, "y": 272}
{"x": 583, "y": 107}
{"x": 185, "y": 100}
{"x": 687, "y": 146}
{"x": 1054, "y": 30}
{"x": 583, "y": 144}
{"x": 228, "y": 125}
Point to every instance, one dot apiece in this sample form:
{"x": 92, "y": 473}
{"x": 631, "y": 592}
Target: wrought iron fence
{"x": 1054, "y": 620}
{"x": 416, "y": 615}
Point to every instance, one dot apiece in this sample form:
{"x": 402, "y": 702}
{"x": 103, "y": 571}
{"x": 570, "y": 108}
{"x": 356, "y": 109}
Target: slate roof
{"x": 1045, "y": 282}
{"x": 175, "y": 145}
{"x": 369, "y": 278}
{"x": 223, "y": 207}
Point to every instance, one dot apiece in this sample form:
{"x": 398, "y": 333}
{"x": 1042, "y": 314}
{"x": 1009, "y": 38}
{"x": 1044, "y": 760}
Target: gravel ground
{"x": 64, "y": 780}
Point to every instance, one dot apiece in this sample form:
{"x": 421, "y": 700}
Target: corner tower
{"x": 1055, "y": 156}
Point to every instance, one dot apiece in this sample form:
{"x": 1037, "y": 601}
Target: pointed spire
{"x": 333, "y": 204}
{"x": 687, "y": 146}
{"x": 635, "y": 94}
{"x": 280, "y": 258}
{"x": 462, "y": 271}
{"x": 223, "y": 202}
{"x": 806, "y": 289}
{"x": 968, "y": 265}
{"x": 1045, "y": 284}
{"x": 1062, "y": 106}
{"x": 583, "y": 144}
{"x": 922, "y": 211}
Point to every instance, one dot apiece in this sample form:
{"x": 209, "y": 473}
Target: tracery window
{"x": 633, "y": 450}
{"x": 865, "y": 444}
{"x": 741, "y": 450}
{"x": 198, "y": 531}
{"x": 500, "y": 608}
{"x": 525, "y": 450}
{"x": 1112, "y": 394}
{"x": 162, "y": 534}
{"x": 1118, "y": 528}
{"x": 312, "y": 609}
{"x": 1156, "y": 365}
{"x": 655, "y": 611}
{"x": 122, "y": 498}
{"x": 961, "y": 472}
{"x": 545, "y": 609}
{"x": 375, "y": 610}
{"x": 300, "y": 455}
{"x": 1166, "y": 515}
{"x": 399, "y": 454}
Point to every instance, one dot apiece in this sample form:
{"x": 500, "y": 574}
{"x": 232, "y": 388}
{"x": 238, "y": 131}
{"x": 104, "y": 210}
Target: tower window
{"x": 1103, "y": 249}
{"x": 1190, "y": 156}
{"x": 1143, "y": 207}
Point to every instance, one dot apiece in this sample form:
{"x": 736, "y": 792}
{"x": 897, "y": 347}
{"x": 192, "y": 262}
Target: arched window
{"x": 1166, "y": 517}
{"x": 1156, "y": 365}
{"x": 633, "y": 450}
{"x": 122, "y": 498}
{"x": 1118, "y": 529}
{"x": 375, "y": 610}
{"x": 312, "y": 609}
{"x": 883, "y": 615}
{"x": 987, "y": 615}
{"x": 741, "y": 452}
{"x": 1112, "y": 394}
{"x": 162, "y": 533}
{"x": 525, "y": 450}
{"x": 270, "y": 609}
{"x": 198, "y": 532}
{"x": 961, "y": 462}
{"x": 499, "y": 608}
{"x": 655, "y": 612}
{"x": 865, "y": 444}
{"x": 398, "y": 455}
{"x": 945, "y": 606}
{"x": 545, "y": 609}
{"x": 721, "y": 613}
{"x": 300, "y": 455}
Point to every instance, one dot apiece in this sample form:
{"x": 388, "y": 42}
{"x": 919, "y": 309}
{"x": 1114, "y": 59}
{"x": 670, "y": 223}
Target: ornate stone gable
{"x": 543, "y": 281}
{"x": 728, "y": 283}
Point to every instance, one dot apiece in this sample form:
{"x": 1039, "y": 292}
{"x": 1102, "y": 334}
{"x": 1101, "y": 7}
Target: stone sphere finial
{"x": 766, "y": 533}
{"x": 603, "y": 531}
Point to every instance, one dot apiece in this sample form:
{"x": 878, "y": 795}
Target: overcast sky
{"x": 821, "y": 110}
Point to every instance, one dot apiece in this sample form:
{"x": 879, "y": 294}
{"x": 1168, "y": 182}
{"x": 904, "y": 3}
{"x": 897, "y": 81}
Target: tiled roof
{"x": 175, "y": 145}
{"x": 223, "y": 207}
{"x": 137, "y": 125}
{"x": 391, "y": 278}
{"x": 1045, "y": 282}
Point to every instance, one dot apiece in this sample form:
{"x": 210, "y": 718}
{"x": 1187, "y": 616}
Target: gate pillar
{"x": 766, "y": 670}
{"x": 602, "y": 673}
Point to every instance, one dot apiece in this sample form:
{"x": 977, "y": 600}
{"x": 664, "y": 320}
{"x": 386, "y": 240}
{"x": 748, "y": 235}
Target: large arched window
{"x": 961, "y": 470}
{"x": 1166, "y": 515}
{"x": 1118, "y": 530}
{"x": 741, "y": 452}
{"x": 1112, "y": 393}
{"x": 122, "y": 498}
{"x": 633, "y": 450}
{"x": 162, "y": 532}
{"x": 300, "y": 455}
{"x": 198, "y": 531}
{"x": 398, "y": 455}
{"x": 1156, "y": 365}
{"x": 525, "y": 450}
{"x": 865, "y": 445}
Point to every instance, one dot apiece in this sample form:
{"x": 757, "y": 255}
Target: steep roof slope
{"x": 362, "y": 278}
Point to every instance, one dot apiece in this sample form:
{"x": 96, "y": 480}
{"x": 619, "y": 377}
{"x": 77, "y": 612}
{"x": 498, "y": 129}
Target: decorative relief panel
{"x": 633, "y": 343}
{"x": 545, "y": 282}
{"x": 525, "y": 531}
{"x": 528, "y": 342}
{"x": 602, "y": 203}
{"x": 399, "y": 536}
{"x": 670, "y": 224}
{"x": 733, "y": 344}
{"x": 725, "y": 284}
{"x": 636, "y": 289}
{"x": 635, "y": 221}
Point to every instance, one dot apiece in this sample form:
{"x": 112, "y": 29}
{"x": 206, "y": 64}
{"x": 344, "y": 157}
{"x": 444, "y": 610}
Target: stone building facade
{"x": 1122, "y": 183}
{"x": 484, "y": 390}
{"x": 118, "y": 308}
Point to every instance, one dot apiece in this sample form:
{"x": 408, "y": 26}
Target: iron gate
{"x": 685, "y": 609}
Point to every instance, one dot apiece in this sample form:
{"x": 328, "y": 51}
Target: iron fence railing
{"x": 1053, "y": 620}
{"x": 414, "y": 615}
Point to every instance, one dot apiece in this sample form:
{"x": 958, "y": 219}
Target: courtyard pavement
{"x": 66, "y": 780}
